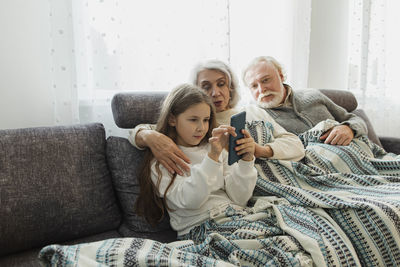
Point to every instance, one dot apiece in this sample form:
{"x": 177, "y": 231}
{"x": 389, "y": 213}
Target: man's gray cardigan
{"x": 308, "y": 108}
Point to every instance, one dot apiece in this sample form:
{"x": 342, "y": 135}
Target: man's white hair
{"x": 267, "y": 59}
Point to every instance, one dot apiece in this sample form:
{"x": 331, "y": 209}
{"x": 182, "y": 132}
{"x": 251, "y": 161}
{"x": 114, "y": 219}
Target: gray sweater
{"x": 308, "y": 108}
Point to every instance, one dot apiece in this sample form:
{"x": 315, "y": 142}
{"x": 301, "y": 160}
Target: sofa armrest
{"x": 391, "y": 144}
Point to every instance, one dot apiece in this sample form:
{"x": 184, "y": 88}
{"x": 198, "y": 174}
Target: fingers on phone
{"x": 245, "y": 148}
{"x": 246, "y": 133}
{"x": 225, "y": 129}
{"x": 244, "y": 144}
{"x": 213, "y": 139}
{"x": 247, "y": 138}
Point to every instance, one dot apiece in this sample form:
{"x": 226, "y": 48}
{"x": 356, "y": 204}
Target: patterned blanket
{"x": 358, "y": 186}
{"x": 339, "y": 206}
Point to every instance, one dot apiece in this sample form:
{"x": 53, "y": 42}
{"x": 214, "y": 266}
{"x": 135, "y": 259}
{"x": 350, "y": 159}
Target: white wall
{"x": 261, "y": 32}
{"x": 328, "y": 44}
{"x": 25, "y": 64}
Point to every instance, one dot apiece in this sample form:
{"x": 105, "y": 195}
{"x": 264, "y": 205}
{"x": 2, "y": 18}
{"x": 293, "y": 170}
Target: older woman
{"x": 218, "y": 80}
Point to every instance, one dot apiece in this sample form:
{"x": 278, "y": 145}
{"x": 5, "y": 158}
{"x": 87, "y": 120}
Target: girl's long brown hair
{"x": 149, "y": 204}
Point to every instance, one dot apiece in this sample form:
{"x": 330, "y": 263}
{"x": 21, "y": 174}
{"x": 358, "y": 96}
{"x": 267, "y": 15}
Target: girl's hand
{"x": 246, "y": 146}
{"x": 219, "y": 140}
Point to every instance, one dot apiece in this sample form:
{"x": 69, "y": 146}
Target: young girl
{"x": 188, "y": 118}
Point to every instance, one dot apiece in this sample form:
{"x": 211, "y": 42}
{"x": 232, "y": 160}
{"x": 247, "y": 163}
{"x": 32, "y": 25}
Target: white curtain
{"x": 374, "y": 61}
{"x": 109, "y": 46}
{"x": 63, "y": 65}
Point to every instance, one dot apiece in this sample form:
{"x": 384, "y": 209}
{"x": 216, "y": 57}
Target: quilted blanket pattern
{"x": 339, "y": 206}
{"x": 357, "y": 185}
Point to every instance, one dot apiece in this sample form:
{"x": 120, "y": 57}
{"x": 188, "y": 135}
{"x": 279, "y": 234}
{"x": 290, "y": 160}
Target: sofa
{"x": 71, "y": 184}
{"x": 67, "y": 185}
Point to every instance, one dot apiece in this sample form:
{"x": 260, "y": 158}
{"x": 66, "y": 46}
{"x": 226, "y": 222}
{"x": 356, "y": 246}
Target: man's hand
{"x": 338, "y": 135}
{"x": 166, "y": 151}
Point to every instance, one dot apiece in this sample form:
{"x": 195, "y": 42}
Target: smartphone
{"x": 238, "y": 121}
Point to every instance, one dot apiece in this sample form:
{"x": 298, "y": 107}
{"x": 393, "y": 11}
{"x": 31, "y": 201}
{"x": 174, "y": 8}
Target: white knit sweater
{"x": 210, "y": 185}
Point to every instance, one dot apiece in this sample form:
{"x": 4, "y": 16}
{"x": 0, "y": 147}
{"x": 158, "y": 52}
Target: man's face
{"x": 265, "y": 84}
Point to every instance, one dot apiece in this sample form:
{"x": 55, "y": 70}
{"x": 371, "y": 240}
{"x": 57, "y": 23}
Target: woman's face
{"x": 216, "y": 85}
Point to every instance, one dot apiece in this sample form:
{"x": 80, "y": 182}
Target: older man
{"x": 298, "y": 111}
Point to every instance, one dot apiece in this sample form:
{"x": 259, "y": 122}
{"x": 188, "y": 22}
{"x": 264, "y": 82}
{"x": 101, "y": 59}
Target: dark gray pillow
{"x": 124, "y": 161}
{"x": 55, "y": 186}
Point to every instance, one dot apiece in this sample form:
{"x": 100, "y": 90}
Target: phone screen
{"x": 238, "y": 121}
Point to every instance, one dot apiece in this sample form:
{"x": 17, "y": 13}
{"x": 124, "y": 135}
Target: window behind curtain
{"x": 121, "y": 45}
{"x": 374, "y": 62}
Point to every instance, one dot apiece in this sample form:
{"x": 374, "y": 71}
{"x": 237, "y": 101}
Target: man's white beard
{"x": 270, "y": 104}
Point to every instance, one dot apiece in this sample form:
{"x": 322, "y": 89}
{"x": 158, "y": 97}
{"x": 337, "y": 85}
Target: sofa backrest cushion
{"x": 55, "y": 186}
{"x": 124, "y": 161}
{"x": 343, "y": 98}
{"x": 133, "y": 108}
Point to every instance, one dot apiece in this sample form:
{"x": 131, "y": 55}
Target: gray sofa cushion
{"x": 29, "y": 258}
{"x": 55, "y": 186}
{"x": 124, "y": 162}
{"x": 343, "y": 98}
{"x": 390, "y": 144}
{"x": 133, "y": 108}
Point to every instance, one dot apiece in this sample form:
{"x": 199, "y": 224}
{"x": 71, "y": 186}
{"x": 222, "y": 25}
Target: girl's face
{"x": 216, "y": 84}
{"x": 192, "y": 125}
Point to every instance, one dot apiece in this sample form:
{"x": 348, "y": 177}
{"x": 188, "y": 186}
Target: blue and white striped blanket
{"x": 358, "y": 186}
{"x": 339, "y": 206}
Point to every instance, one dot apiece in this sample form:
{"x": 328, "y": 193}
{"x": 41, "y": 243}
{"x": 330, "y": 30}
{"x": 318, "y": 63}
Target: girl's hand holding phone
{"x": 219, "y": 140}
{"x": 246, "y": 146}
